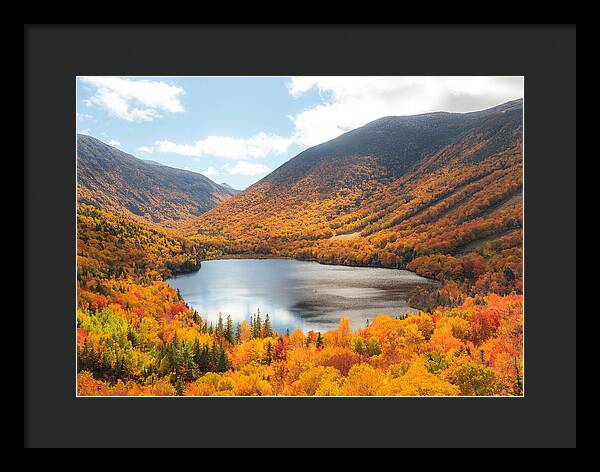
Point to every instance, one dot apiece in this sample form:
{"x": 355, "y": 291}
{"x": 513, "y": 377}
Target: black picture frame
{"x": 55, "y": 55}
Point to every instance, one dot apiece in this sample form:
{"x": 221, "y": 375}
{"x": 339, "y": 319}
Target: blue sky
{"x": 238, "y": 129}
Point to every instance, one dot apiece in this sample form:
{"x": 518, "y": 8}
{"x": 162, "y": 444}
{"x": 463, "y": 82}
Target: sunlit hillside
{"x": 440, "y": 194}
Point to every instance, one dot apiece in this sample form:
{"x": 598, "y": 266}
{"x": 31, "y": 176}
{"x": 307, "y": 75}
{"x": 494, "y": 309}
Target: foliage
{"x": 451, "y": 212}
{"x": 112, "y": 247}
{"x": 136, "y": 349}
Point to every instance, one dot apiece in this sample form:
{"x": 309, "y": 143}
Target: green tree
{"x": 476, "y": 380}
{"x": 267, "y": 329}
{"x": 435, "y": 362}
{"x": 203, "y": 359}
{"x": 223, "y": 364}
{"x": 220, "y": 329}
{"x": 269, "y": 355}
{"x": 359, "y": 346}
{"x": 257, "y": 325}
{"x": 83, "y": 358}
{"x": 373, "y": 347}
{"x": 179, "y": 386}
{"x": 238, "y": 333}
{"x": 229, "y": 333}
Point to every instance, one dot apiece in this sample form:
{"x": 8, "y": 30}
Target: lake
{"x": 294, "y": 293}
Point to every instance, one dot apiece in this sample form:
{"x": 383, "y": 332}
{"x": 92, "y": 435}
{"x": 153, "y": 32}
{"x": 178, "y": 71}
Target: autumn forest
{"x": 439, "y": 194}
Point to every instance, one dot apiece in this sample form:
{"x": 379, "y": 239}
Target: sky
{"x": 239, "y": 129}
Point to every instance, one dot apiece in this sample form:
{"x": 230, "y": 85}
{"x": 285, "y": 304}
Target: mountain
{"x": 151, "y": 162}
{"x": 143, "y": 190}
{"x": 394, "y": 190}
{"x": 229, "y": 188}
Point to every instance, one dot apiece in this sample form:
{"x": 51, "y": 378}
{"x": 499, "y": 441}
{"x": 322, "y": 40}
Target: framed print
{"x": 350, "y": 239}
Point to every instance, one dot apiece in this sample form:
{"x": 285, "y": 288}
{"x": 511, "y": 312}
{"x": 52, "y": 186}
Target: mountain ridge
{"x": 392, "y": 120}
{"x": 410, "y": 186}
{"x": 144, "y": 190}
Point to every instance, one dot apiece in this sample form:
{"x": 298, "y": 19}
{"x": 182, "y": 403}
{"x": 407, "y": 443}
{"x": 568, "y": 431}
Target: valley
{"x": 172, "y": 264}
{"x": 358, "y": 201}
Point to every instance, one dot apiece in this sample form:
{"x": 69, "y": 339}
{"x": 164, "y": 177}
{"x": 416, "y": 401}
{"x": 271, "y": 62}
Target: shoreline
{"x": 225, "y": 257}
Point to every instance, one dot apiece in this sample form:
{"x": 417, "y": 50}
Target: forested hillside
{"x": 142, "y": 190}
{"x": 440, "y": 194}
{"x": 136, "y": 336}
{"x": 112, "y": 246}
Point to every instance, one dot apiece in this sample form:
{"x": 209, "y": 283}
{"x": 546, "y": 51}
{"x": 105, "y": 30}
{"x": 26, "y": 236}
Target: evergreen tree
{"x": 359, "y": 346}
{"x": 203, "y": 360}
{"x": 196, "y": 356}
{"x": 269, "y": 356}
{"x": 319, "y": 342}
{"x": 229, "y": 333}
{"x": 257, "y": 332}
{"x": 179, "y": 386}
{"x": 84, "y": 357}
{"x": 214, "y": 357}
{"x": 174, "y": 354}
{"x": 508, "y": 273}
{"x": 94, "y": 359}
{"x": 268, "y": 330}
{"x": 238, "y": 333}
{"x": 220, "y": 329}
{"x": 223, "y": 364}
{"x": 188, "y": 363}
{"x": 119, "y": 371}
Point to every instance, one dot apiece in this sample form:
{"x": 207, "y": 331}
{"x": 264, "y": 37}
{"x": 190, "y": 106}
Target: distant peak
{"x": 229, "y": 189}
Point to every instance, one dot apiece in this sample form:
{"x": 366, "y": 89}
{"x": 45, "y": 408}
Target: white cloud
{"x": 84, "y": 117}
{"x": 114, "y": 142}
{"x": 350, "y": 102}
{"x": 210, "y": 171}
{"x": 247, "y": 168}
{"x": 134, "y": 100}
{"x": 345, "y": 103}
{"x": 145, "y": 149}
{"x": 86, "y": 131}
{"x": 259, "y": 145}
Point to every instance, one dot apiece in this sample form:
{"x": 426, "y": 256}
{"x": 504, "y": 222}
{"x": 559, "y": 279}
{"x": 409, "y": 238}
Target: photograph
{"x": 299, "y": 236}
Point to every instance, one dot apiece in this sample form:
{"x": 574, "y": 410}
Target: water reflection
{"x": 295, "y": 293}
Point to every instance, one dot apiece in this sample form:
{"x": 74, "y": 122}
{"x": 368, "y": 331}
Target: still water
{"x": 294, "y": 293}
